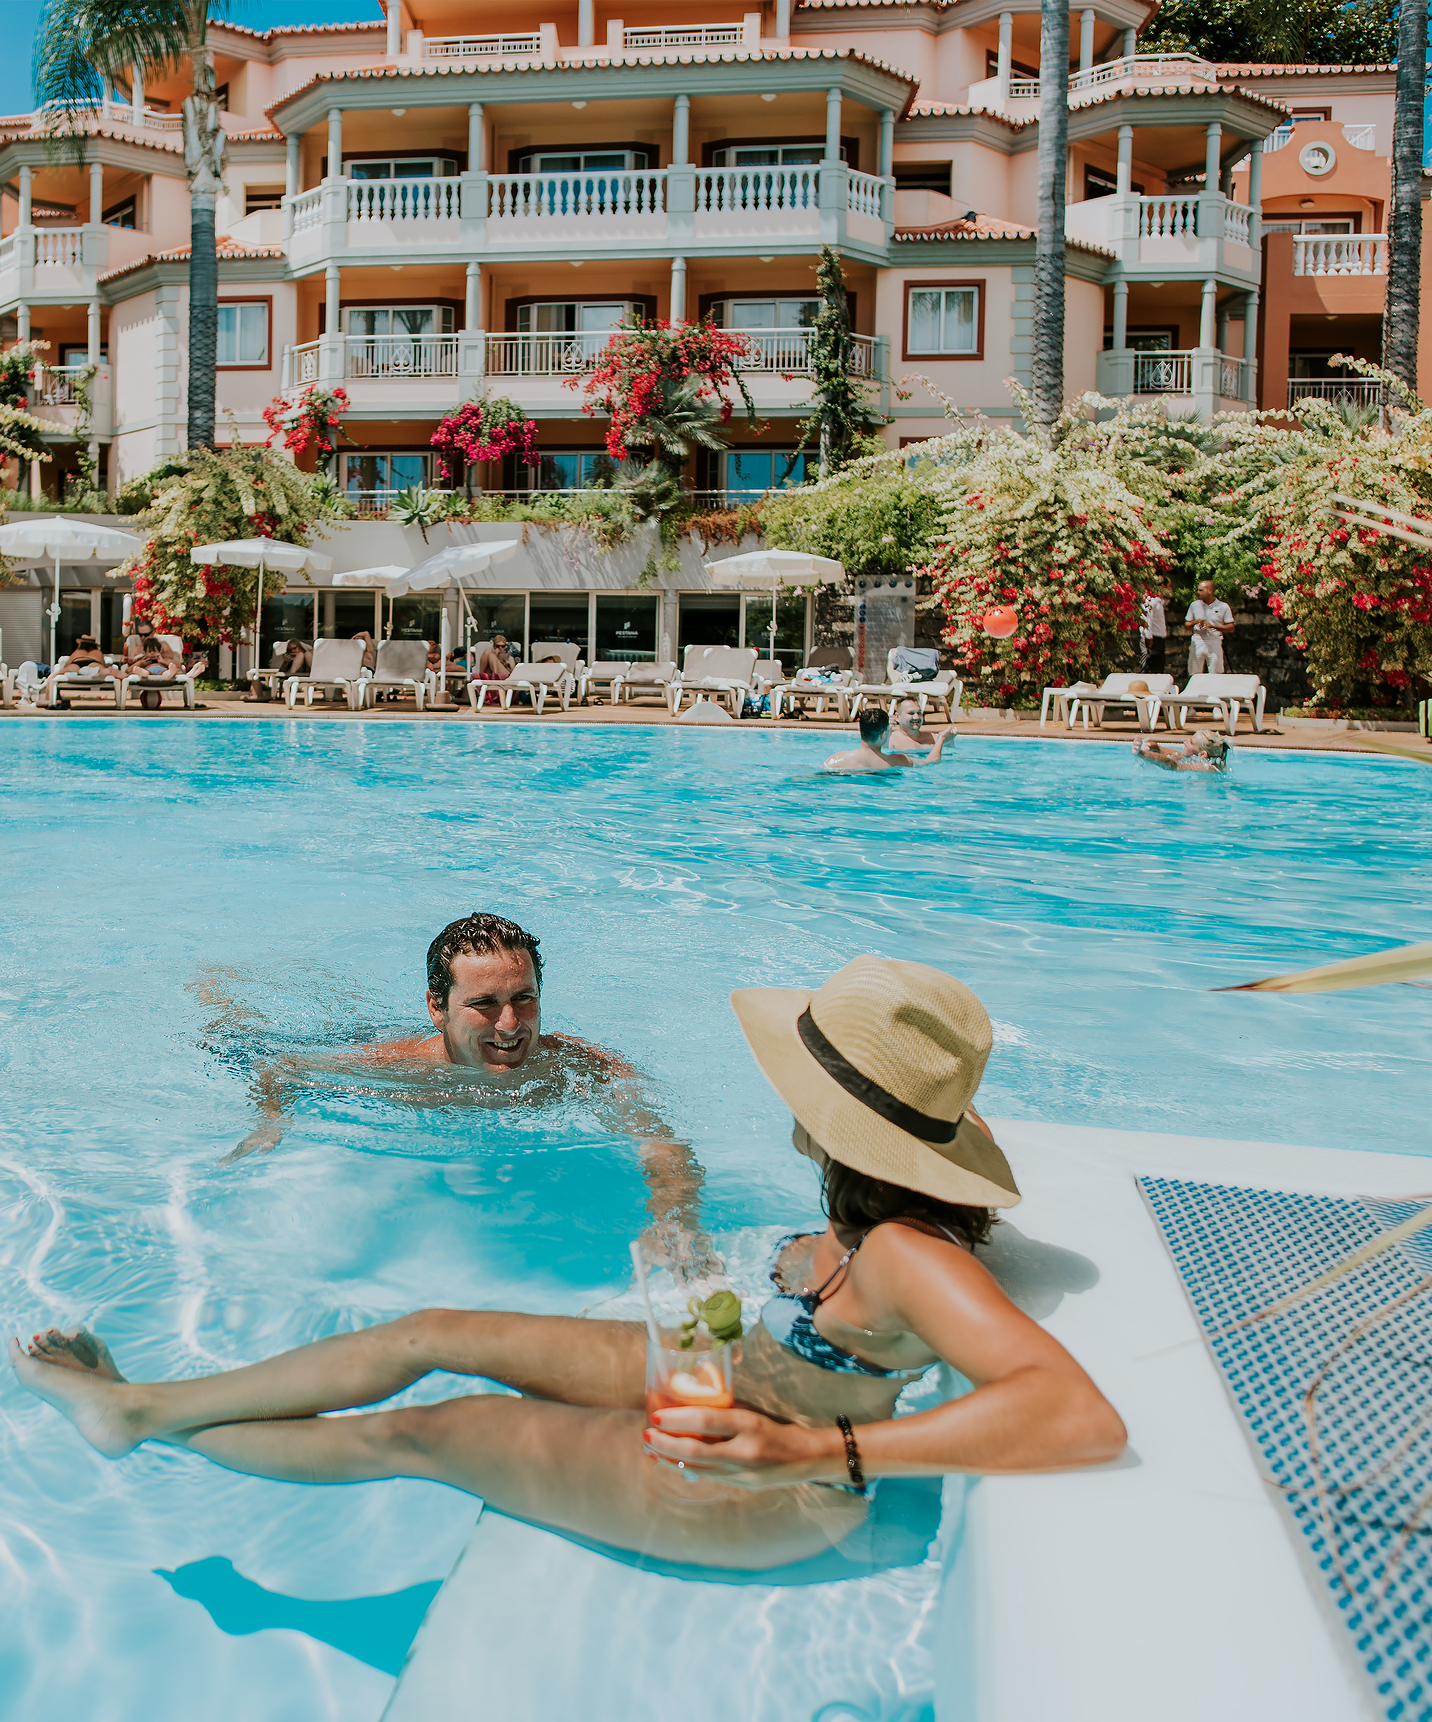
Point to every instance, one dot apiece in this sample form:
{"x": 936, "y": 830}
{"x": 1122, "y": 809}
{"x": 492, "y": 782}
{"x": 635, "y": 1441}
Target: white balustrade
{"x": 787, "y": 351}
{"x": 1145, "y": 68}
{"x": 401, "y": 356}
{"x": 1276, "y": 140}
{"x": 865, "y": 190}
{"x": 1024, "y": 89}
{"x": 481, "y": 47}
{"x": 1169, "y": 373}
{"x": 543, "y": 355}
{"x": 752, "y": 190}
{"x": 300, "y": 365}
{"x": 1237, "y": 222}
{"x": 54, "y": 385}
{"x": 372, "y": 200}
{"x": 1230, "y": 378}
{"x": 692, "y": 36}
{"x": 1344, "y": 392}
{"x": 58, "y": 245}
{"x": 1168, "y": 217}
{"x": 1340, "y": 254}
{"x": 528, "y": 197}
{"x": 308, "y": 209}
{"x": 1361, "y": 137}
{"x": 7, "y": 250}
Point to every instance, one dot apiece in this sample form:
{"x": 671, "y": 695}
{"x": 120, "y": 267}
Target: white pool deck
{"x": 1162, "y": 1590}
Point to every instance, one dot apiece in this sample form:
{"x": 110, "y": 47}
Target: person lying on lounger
{"x": 484, "y": 999}
{"x": 87, "y": 657}
{"x": 1201, "y": 752}
{"x": 856, "y": 1312}
{"x": 870, "y": 755}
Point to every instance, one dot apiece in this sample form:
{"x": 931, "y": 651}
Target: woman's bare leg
{"x": 572, "y": 1468}
{"x": 595, "y": 1363}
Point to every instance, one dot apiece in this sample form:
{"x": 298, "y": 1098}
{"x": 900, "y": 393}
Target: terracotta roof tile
{"x": 228, "y": 249}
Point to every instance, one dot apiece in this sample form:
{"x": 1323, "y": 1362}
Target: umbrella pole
{"x": 55, "y": 613}
{"x": 258, "y": 623}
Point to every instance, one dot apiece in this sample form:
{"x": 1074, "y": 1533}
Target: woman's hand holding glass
{"x": 744, "y": 1448}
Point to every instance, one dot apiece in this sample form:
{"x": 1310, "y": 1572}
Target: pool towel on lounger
{"x": 536, "y": 1627}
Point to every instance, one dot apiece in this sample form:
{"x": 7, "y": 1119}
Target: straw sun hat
{"x": 879, "y": 1065}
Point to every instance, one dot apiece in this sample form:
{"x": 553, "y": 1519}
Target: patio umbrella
{"x": 263, "y": 554}
{"x": 460, "y": 566}
{"x": 33, "y": 541}
{"x": 770, "y": 570}
{"x": 372, "y": 577}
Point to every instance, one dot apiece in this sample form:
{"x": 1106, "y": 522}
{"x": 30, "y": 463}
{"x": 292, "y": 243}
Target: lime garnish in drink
{"x": 721, "y": 1315}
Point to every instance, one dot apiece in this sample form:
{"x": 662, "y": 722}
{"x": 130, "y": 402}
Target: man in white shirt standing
{"x": 1211, "y": 619}
{"x": 1153, "y": 631}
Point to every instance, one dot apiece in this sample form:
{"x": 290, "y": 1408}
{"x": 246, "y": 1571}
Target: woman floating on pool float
{"x": 879, "y": 1066}
{"x": 1201, "y": 752}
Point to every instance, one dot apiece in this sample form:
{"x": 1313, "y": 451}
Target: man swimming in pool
{"x": 484, "y": 998}
{"x": 871, "y": 755}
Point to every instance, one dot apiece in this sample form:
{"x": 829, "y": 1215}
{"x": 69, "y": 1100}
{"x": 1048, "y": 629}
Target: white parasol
{"x": 32, "y": 541}
{"x": 770, "y": 570}
{"x": 263, "y": 554}
{"x": 459, "y": 566}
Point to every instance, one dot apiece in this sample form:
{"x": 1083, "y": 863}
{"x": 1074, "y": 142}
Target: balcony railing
{"x": 1237, "y": 222}
{"x": 1168, "y": 218}
{"x": 1340, "y": 254}
{"x": 537, "y": 197}
{"x": 690, "y": 36}
{"x": 481, "y": 47}
{"x": 59, "y": 246}
{"x": 308, "y": 209}
{"x": 1230, "y": 378}
{"x": 1343, "y": 392}
{"x": 399, "y": 358}
{"x": 1163, "y": 373}
{"x": 54, "y": 385}
{"x": 543, "y": 355}
{"x": 758, "y": 190}
{"x": 402, "y": 200}
{"x": 1144, "y": 68}
{"x": 1358, "y": 137}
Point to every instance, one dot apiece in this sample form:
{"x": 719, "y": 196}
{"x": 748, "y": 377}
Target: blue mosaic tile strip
{"x": 1336, "y": 1397}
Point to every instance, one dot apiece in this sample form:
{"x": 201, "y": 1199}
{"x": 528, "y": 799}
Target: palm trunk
{"x": 1048, "y": 370}
{"x": 204, "y": 160}
{"x": 1404, "y": 263}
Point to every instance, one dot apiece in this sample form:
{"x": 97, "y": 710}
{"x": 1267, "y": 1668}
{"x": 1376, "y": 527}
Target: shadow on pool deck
{"x": 377, "y": 1630}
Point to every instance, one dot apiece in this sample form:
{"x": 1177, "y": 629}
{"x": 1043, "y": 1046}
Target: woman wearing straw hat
{"x": 879, "y": 1066}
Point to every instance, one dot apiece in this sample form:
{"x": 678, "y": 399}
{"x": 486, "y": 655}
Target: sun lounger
{"x": 1222, "y": 697}
{"x": 180, "y": 683}
{"x": 536, "y": 680}
{"x": 642, "y": 681}
{"x": 402, "y": 666}
{"x": 832, "y": 666}
{"x": 91, "y": 679}
{"x": 1114, "y": 691}
{"x": 337, "y": 664}
{"x": 724, "y": 670}
{"x": 766, "y": 673}
{"x": 945, "y": 690}
{"x": 266, "y": 683}
{"x": 608, "y": 674}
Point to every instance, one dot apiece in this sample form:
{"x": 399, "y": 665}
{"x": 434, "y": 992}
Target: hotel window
{"x": 122, "y": 214}
{"x": 391, "y": 167}
{"x": 584, "y": 161}
{"x": 243, "y": 334}
{"x": 567, "y": 333}
{"x": 771, "y": 155}
{"x": 943, "y": 321}
{"x": 751, "y": 472}
{"x": 257, "y": 197}
{"x": 1323, "y": 224}
{"x": 915, "y": 176}
{"x": 375, "y": 476}
{"x": 570, "y": 469}
{"x": 750, "y": 314}
{"x": 400, "y": 320}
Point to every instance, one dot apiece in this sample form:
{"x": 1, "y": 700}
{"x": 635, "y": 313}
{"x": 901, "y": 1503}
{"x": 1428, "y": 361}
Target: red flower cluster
{"x": 309, "y": 421}
{"x": 645, "y": 363}
{"x": 483, "y": 430}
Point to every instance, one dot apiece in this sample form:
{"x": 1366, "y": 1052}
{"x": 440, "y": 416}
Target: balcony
{"x": 1340, "y": 391}
{"x": 54, "y": 401}
{"x": 60, "y": 265}
{"x": 526, "y": 46}
{"x": 686, "y": 208}
{"x": 1019, "y": 97}
{"x": 426, "y": 375}
{"x": 1357, "y": 137}
{"x": 1198, "y": 235}
{"x": 1340, "y": 254}
{"x": 1198, "y": 379}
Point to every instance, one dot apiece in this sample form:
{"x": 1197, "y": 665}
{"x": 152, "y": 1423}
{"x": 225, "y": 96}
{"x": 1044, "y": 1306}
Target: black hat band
{"x": 859, "y": 1087}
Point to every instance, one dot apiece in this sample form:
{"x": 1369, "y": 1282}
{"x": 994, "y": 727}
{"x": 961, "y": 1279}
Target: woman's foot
{"x": 78, "y": 1350}
{"x": 94, "y": 1399}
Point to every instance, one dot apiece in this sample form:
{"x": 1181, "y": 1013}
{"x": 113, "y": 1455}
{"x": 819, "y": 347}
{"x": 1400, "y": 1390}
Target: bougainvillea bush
{"x": 239, "y": 493}
{"x": 1070, "y": 535}
{"x": 313, "y": 421}
{"x": 1356, "y": 601}
{"x": 490, "y": 428}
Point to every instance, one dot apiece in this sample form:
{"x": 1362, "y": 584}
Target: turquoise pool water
{"x": 186, "y": 901}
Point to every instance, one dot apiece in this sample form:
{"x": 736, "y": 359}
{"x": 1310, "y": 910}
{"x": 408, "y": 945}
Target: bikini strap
{"x": 840, "y": 1266}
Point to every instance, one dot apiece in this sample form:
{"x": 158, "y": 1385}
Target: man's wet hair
{"x": 483, "y": 936}
{"x": 873, "y": 724}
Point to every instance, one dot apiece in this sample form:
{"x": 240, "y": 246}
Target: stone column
{"x": 1124, "y": 172}
{"x": 1131, "y": 43}
{"x": 1250, "y": 346}
{"x": 1006, "y": 46}
{"x": 96, "y": 193}
{"x": 1255, "y": 197}
{"x": 292, "y": 145}
{"x": 332, "y": 300}
{"x": 476, "y": 140}
{"x": 783, "y": 20}
{"x": 395, "y": 29}
{"x": 92, "y": 333}
{"x": 22, "y": 321}
{"x": 678, "y": 290}
{"x": 832, "y": 125}
{"x": 1086, "y": 40}
{"x": 887, "y": 165}
{"x": 25, "y": 173}
{"x": 472, "y": 303}
{"x": 335, "y": 144}
{"x": 1207, "y": 323}
{"x": 1212, "y": 146}
{"x": 136, "y": 92}
{"x": 586, "y": 24}
{"x": 681, "y": 132}
{"x": 1223, "y": 310}
{"x": 1121, "y": 314}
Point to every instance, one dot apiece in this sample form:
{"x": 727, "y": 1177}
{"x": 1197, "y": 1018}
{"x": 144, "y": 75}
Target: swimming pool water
{"x": 186, "y": 901}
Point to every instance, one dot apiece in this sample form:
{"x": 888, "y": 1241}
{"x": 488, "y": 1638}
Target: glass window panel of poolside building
{"x": 559, "y": 617}
{"x": 419, "y": 616}
{"x": 74, "y": 619}
{"x": 626, "y": 630}
{"x": 944, "y": 320}
{"x": 708, "y": 619}
{"x": 752, "y": 472}
{"x": 501, "y": 613}
{"x": 286, "y": 616}
{"x": 790, "y": 627}
{"x": 342, "y": 614}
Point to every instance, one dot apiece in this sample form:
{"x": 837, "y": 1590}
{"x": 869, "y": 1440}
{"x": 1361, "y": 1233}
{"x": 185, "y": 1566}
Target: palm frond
{"x": 76, "y": 43}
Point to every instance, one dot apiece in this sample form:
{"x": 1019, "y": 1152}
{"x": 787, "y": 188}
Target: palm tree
{"x": 1049, "y": 258}
{"x": 81, "y": 42}
{"x": 1404, "y": 262}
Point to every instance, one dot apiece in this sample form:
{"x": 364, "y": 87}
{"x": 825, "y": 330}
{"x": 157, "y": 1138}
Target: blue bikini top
{"x": 789, "y": 1317}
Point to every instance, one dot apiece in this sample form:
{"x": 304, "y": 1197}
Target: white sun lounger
{"x": 724, "y": 670}
{"x": 795, "y": 691}
{"x": 607, "y": 674}
{"x": 336, "y": 664}
{"x": 1114, "y": 691}
{"x": 182, "y": 683}
{"x": 945, "y": 690}
{"x": 538, "y": 680}
{"x": 1222, "y": 697}
{"x": 644, "y": 680}
{"x": 402, "y": 665}
{"x": 89, "y": 680}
